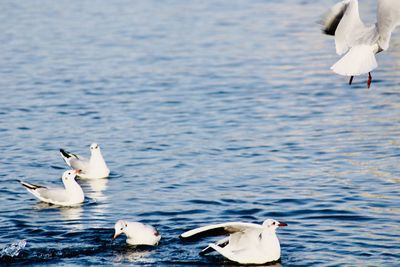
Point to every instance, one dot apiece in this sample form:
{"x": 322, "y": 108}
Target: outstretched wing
{"x": 51, "y": 195}
{"x": 344, "y": 22}
{"x": 219, "y": 229}
{"x": 333, "y": 17}
{"x": 388, "y": 14}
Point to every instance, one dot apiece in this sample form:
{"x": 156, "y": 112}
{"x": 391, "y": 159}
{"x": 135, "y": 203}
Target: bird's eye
{"x": 122, "y": 229}
{"x": 273, "y": 223}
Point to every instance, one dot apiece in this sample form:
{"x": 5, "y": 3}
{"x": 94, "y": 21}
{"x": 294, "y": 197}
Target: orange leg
{"x": 369, "y": 80}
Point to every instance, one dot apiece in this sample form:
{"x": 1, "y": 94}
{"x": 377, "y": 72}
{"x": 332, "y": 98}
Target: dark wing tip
{"x": 31, "y": 186}
{"x": 332, "y": 20}
{"x": 64, "y": 153}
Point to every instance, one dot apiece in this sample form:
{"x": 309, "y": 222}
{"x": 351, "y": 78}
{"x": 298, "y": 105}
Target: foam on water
{"x": 13, "y": 249}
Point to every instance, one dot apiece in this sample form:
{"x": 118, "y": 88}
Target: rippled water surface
{"x": 206, "y": 111}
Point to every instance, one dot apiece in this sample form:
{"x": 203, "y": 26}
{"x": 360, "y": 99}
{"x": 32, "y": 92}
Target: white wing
{"x": 79, "y": 164}
{"x": 388, "y": 20}
{"x": 344, "y": 22}
{"x": 350, "y": 28}
{"x": 332, "y": 18}
{"x": 220, "y": 229}
{"x": 54, "y": 195}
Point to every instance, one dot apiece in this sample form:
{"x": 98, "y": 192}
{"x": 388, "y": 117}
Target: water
{"x": 206, "y": 111}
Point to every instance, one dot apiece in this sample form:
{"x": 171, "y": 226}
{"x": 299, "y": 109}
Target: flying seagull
{"x": 358, "y": 41}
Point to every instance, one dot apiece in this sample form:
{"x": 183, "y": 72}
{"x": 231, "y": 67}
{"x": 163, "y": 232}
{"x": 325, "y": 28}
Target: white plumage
{"x": 93, "y": 168}
{"x": 71, "y": 195}
{"x": 137, "y": 233}
{"x": 363, "y": 55}
{"x": 247, "y": 243}
{"x": 359, "y": 41}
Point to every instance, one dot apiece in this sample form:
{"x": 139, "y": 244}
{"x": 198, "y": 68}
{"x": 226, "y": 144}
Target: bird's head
{"x": 272, "y": 224}
{"x": 119, "y": 227}
{"x": 69, "y": 176}
{"x": 94, "y": 147}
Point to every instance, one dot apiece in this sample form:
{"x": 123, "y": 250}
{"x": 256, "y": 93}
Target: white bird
{"x": 71, "y": 195}
{"x": 247, "y": 243}
{"x": 137, "y": 233}
{"x": 92, "y": 168}
{"x": 358, "y": 41}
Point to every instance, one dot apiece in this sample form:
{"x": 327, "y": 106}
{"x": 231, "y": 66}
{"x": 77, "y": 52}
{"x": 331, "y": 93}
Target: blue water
{"x": 206, "y": 111}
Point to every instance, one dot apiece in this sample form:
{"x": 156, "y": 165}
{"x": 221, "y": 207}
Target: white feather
{"x": 350, "y": 22}
{"x": 388, "y": 19}
{"x": 360, "y": 59}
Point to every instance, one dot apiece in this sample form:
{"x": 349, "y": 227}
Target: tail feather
{"x": 31, "y": 186}
{"x": 359, "y": 60}
{"x": 333, "y": 17}
{"x": 226, "y": 253}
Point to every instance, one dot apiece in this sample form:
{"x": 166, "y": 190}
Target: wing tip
{"x": 183, "y": 236}
{"x": 27, "y": 185}
{"x": 332, "y": 18}
{"x": 31, "y": 186}
{"x": 64, "y": 153}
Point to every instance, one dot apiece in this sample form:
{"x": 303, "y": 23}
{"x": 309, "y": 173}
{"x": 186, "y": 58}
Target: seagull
{"x": 93, "y": 168}
{"x": 71, "y": 195}
{"x": 358, "y": 41}
{"x": 247, "y": 243}
{"x": 137, "y": 233}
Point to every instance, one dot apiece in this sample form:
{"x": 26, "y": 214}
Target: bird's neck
{"x": 73, "y": 186}
{"x": 97, "y": 158}
{"x": 269, "y": 232}
{"x": 270, "y": 244}
{"x": 269, "y": 237}
{"x": 127, "y": 233}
